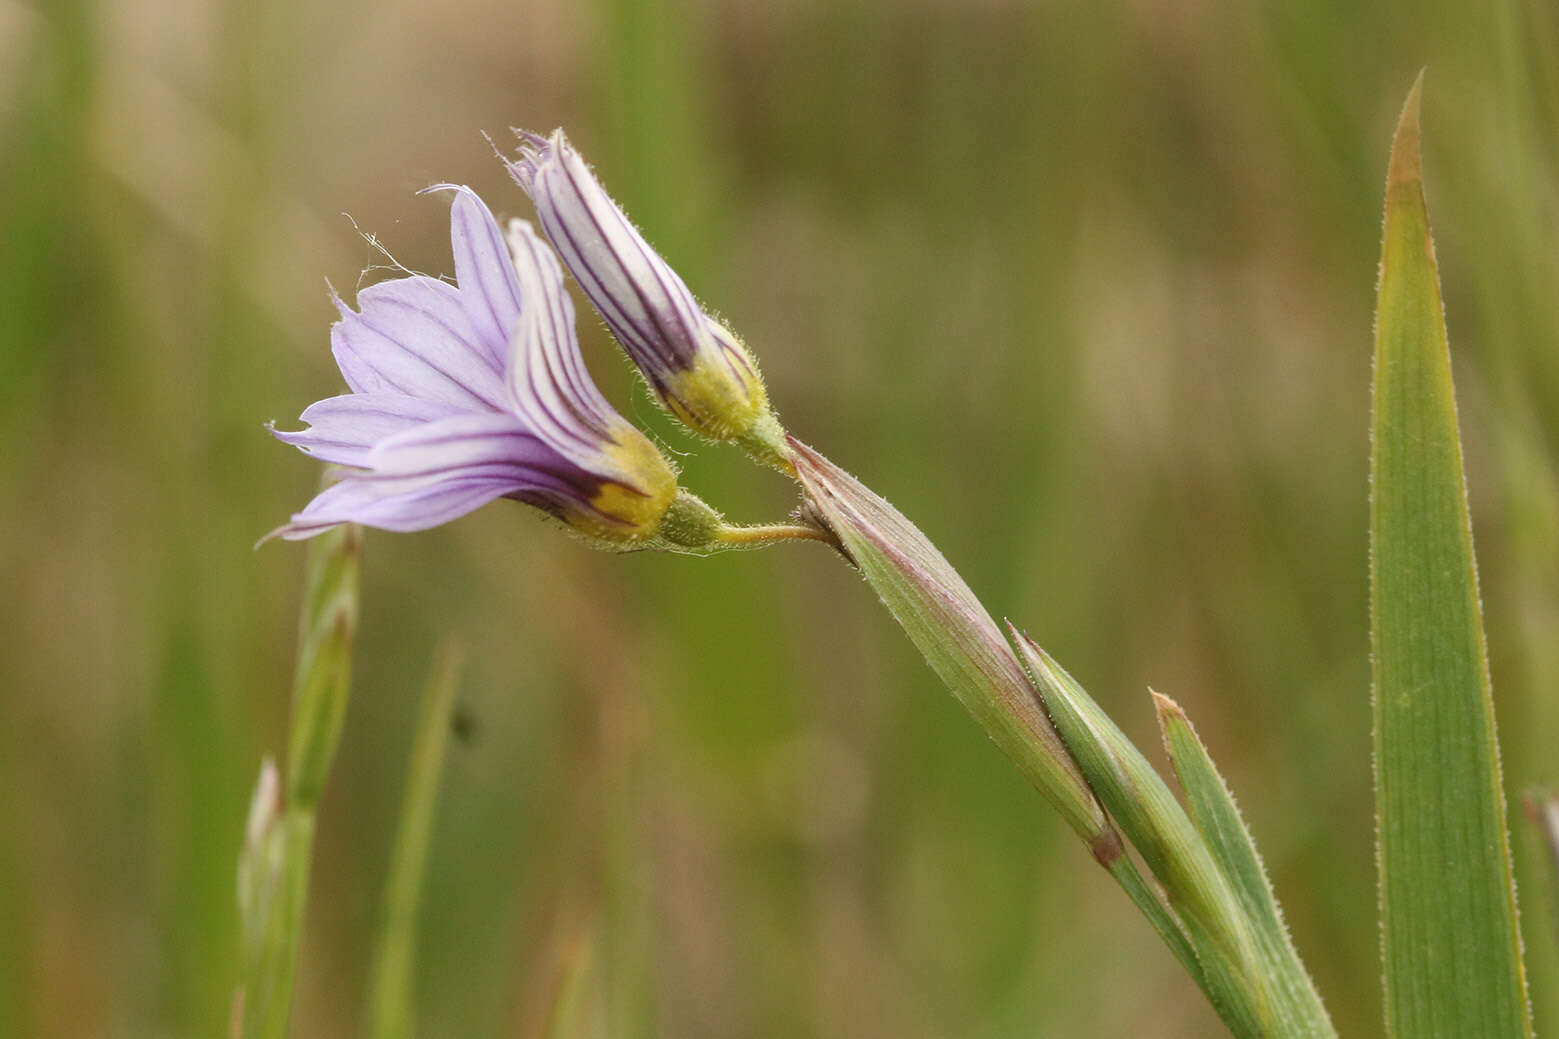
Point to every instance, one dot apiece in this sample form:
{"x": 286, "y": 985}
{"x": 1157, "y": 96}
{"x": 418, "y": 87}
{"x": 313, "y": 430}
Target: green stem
{"x": 1151, "y": 906}
{"x": 768, "y": 534}
{"x": 390, "y": 1003}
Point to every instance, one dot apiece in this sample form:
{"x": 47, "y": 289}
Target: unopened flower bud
{"x": 694, "y": 365}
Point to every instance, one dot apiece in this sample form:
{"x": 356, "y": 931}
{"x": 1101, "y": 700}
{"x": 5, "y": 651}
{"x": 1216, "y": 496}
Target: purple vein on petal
{"x": 488, "y": 287}
{"x": 469, "y": 392}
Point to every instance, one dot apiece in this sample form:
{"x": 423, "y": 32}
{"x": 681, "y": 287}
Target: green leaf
{"x": 1218, "y": 819}
{"x": 954, "y": 632}
{"x": 273, "y": 870}
{"x": 967, "y": 651}
{"x": 324, "y": 672}
{"x": 1450, "y": 942}
{"x": 1158, "y": 828}
{"x": 390, "y": 1003}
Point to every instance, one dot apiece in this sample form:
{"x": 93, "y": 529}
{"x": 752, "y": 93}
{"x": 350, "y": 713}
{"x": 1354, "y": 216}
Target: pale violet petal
{"x": 488, "y": 288}
{"x": 399, "y": 508}
{"x": 344, "y": 429}
{"x": 489, "y": 440}
{"x": 548, "y": 382}
{"x": 412, "y": 336}
{"x": 647, "y": 306}
{"x": 440, "y": 470}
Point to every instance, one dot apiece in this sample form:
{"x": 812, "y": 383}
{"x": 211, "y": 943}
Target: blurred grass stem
{"x": 322, "y": 685}
{"x": 391, "y": 1010}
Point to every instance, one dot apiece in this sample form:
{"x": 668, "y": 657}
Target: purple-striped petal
{"x": 488, "y": 443}
{"x": 694, "y": 365}
{"x": 407, "y": 507}
{"x": 412, "y": 336}
{"x": 343, "y": 429}
{"x": 548, "y": 382}
{"x": 437, "y": 471}
{"x": 483, "y": 270}
{"x": 469, "y": 393}
{"x": 648, "y": 308}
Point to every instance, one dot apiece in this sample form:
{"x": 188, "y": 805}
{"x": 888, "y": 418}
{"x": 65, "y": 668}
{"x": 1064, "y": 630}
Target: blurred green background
{"x": 1085, "y": 289}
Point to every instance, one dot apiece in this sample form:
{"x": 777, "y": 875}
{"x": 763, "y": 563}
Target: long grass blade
{"x": 390, "y": 998}
{"x": 1216, "y": 816}
{"x": 274, "y": 867}
{"x": 1158, "y": 828}
{"x": 1449, "y": 936}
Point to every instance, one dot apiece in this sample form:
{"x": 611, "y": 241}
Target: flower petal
{"x": 400, "y": 508}
{"x": 412, "y": 336}
{"x": 649, "y": 309}
{"x": 487, "y": 443}
{"x": 548, "y": 381}
{"x": 484, "y": 272}
{"x": 437, "y": 471}
{"x": 344, "y": 429}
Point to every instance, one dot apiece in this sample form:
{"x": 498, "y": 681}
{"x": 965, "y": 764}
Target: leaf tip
{"x": 1032, "y": 654}
{"x": 1168, "y": 710}
{"x": 1406, "y": 160}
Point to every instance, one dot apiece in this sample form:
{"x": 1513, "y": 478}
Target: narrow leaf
{"x": 955, "y": 634}
{"x": 390, "y": 1002}
{"x": 1156, "y": 825}
{"x": 274, "y": 869}
{"x": 963, "y": 645}
{"x": 260, "y": 880}
{"x": 1218, "y": 819}
{"x": 1450, "y": 942}
{"x": 324, "y": 671}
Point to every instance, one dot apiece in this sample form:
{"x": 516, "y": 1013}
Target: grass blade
{"x": 1218, "y": 819}
{"x": 961, "y": 642}
{"x": 1449, "y": 935}
{"x": 1150, "y": 817}
{"x": 958, "y": 638}
{"x": 322, "y": 684}
{"x": 390, "y": 1003}
{"x": 274, "y": 868}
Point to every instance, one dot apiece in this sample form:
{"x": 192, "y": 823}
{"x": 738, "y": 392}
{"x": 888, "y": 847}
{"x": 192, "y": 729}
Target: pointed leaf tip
{"x": 1167, "y": 709}
{"x": 1406, "y": 157}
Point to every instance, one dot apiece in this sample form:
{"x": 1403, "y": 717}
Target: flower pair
{"x": 469, "y": 392}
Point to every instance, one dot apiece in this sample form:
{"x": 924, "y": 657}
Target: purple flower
{"x": 474, "y": 391}
{"x": 695, "y": 366}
